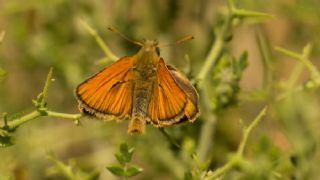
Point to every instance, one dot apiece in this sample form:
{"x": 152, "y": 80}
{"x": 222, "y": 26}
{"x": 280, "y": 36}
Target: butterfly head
{"x": 151, "y": 46}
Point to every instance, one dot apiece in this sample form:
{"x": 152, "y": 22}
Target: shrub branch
{"x": 41, "y": 110}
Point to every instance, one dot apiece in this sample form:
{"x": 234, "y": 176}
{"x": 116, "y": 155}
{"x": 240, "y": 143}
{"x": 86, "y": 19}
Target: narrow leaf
{"x": 120, "y": 158}
{"x": 125, "y": 154}
{"x": 132, "y": 171}
{"x": 116, "y": 170}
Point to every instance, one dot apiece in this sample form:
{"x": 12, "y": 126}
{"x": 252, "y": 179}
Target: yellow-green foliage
{"x": 254, "y": 64}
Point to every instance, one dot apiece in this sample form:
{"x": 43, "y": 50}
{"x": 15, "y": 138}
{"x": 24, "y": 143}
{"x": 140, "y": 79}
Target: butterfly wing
{"x": 192, "y": 107}
{"x": 169, "y": 103}
{"x": 109, "y": 92}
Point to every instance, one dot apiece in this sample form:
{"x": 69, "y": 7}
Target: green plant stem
{"x": 35, "y": 114}
{"x": 64, "y": 115}
{"x": 239, "y": 154}
{"x": 40, "y": 111}
{"x": 265, "y": 52}
{"x": 207, "y": 129}
{"x": 21, "y": 120}
{"x": 99, "y": 40}
{"x": 171, "y": 140}
{"x": 64, "y": 169}
{"x": 302, "y": 58}
{"x": 211, "y": 58}
{"x": 217, "y": 45}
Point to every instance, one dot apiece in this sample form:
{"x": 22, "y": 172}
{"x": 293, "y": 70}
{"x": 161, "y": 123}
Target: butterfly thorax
{"x": 146, "y": 60}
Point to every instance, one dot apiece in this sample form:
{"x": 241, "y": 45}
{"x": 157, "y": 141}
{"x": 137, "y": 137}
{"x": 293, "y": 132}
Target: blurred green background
{"x": 40, "y": 34}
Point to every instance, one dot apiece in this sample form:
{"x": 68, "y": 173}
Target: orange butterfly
{"x": 142, "y": 88}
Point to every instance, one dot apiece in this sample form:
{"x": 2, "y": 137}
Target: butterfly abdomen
{"x": 136, "y": 124}
{"x": 139, "y": 107}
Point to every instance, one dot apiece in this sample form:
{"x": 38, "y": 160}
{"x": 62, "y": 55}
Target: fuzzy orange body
{"x": 142, "y": 88}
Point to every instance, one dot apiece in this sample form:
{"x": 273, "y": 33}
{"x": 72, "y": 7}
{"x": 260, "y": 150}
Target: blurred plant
{"x": 201, "y": 171}
{"x": 70, "y": 170}
{"x": 231, "y": 72}
{"x": 227, "y": 73}
{"x": 218, "y": 83}
{"x": 4, "y": 177}
{"x": 314, "y": 79}
{"x": 124, "y": 157}
{"x": 297, "y": 113}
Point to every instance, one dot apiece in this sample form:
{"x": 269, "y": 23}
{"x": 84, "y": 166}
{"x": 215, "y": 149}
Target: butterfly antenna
{"x": 182, "y": 40}
{"x": 114, "y": 30}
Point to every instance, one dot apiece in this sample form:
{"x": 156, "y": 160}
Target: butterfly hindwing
{"x": 192, "y": 109}
{"x": 168, "y": 100}
{"x": 108, "y": 92}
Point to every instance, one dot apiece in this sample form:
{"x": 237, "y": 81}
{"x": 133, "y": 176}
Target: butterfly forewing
{"x": 109, "y": 92}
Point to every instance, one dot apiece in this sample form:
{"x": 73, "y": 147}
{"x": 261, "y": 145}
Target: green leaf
{"x": 132, "y": 171}
{"x": 120, "y": 158}
{"x": 116, "y": 170}
{"x": 125, "y": 154}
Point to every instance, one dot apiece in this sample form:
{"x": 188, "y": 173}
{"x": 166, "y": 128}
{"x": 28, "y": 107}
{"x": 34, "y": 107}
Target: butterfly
{"x": 141, "y": 88}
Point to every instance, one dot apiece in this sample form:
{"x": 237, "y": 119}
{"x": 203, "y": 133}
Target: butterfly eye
{"x": 158, "y": 51}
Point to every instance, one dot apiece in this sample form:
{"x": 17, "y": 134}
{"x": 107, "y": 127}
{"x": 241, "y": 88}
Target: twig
{"x": 35, "y": 114}
{"x": 304, "y": 59}
{"x": 207, "y": 129}
{"x": 214, "y": 53}
{"x": 41, "y": 110}
{"x": 171, "y": 140}
{"x": 64, "y": 169}
{"x": 239, "y": 154}
{"x": 99, "y": 40}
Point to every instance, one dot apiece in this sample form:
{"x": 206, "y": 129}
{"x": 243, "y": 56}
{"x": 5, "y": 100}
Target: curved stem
{"x": 239, "y": 155}
{"x": 211, "y": 58}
